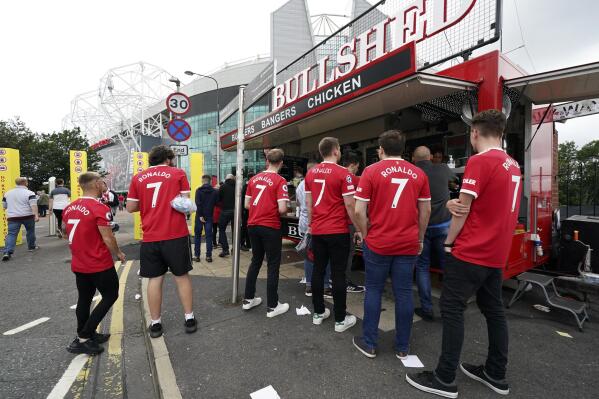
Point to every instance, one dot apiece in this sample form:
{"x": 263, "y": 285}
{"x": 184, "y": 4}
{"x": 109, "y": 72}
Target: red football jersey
{"x": 494, "y": 179}
{"x": 356, "y": 180}
{"x": 82, "y": 218}
{"x": 155, "y": 188}
{"x": 392, "y": 187}
{"x": 264, "y": 191}
{"x": 329, "y": 183}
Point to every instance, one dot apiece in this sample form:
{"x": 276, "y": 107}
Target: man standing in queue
{"x": 86, "y": 223}
{"x": 165, "y": 242}
{"x": 477, "y": 247}
{"x": 394, "y": 196}
{"x": 266, "y": 199}
{"x": 351, "y": 161}
{"x": 329, "y": 199}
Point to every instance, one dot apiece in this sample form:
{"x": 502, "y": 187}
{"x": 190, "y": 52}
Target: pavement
{"x": 236, "y": 353}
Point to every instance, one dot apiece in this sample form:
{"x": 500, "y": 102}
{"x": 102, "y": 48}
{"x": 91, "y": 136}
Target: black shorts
{"x": 157, "y": 257}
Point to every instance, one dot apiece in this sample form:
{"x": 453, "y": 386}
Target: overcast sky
{"x": 54, "y": 50}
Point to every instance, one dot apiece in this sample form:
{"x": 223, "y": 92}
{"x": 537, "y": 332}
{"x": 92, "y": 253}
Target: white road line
{"x": 26, "y": 326}
{"x": 94, "y": 299}
{"x": 64, "y": 384}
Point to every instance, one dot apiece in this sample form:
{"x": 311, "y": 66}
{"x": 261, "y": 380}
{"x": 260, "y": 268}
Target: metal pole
{"x": 217, "y": 132}
{"x": 238, "y": 199}
{"x": 51, "y": 217}
{"x": 595, "y": 190}
{"x": 580, "y": 189}
{"x": 568, "y": 190}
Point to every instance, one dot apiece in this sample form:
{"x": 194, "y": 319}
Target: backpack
{"x": 115, "y": 200}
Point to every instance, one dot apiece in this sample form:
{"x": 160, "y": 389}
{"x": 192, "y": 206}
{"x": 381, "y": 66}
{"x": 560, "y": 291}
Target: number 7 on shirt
{"x": 323, "y": 182}
{"x": 156, "y": 187}
{"x": 75, "y": 223}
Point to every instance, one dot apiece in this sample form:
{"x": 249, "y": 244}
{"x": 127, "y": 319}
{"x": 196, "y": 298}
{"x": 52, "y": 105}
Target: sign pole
{"x": 51, "y": 217}
{"x": 238, "y": 199}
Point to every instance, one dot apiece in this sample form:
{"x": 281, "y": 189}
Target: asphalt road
{"x": 41, "y": 285}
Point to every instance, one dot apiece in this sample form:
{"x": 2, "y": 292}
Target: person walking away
{"x": 439, "y": 178}
{"x": 165, "y": 244}
{"x": 121, "y": 202}
{"x": 245, "y": 241}
{"x": 329, "y": 197}
{"x": 92, "y": 244}
{"x": 20, "y": 204}
{"x": 59, "y": 199}
{"x": 394, "y": 197}
{"x": 266, "y": 200}
{"x": 477, "y": 246}
{"x": 216, "y": 218}
{"x": 42, "y": 203}
{"x": 110, "y": 198}
{"x": 205, "y": 199}
{"x": 226, "y": 197}
{"x": 351, "y": 161}
{"x": 300, "y": 197}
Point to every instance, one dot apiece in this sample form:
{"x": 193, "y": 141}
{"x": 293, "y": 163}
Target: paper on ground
{"x": 564, "y": 334}
{"x": 412, "y": 361}
{"x": 302, "y": 311}
{"x": 265, "y": 393}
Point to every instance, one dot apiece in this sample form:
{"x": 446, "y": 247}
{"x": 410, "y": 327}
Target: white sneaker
{"x": 349, "y": 322}
{"x": 280, "y": 309}
{"x": 251, "y": 303}
{"x": 318, "y": 318}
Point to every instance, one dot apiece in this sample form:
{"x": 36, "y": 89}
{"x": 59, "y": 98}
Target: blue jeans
{"x": 197, "y": 232}
{"x": 378, "y": 268}
{"x": 309, "y": 267}
{"x": 14, "y": 226}
{"x": 433, "y": 245}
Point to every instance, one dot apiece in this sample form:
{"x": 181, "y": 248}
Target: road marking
{"x": 116, "y": 322}
{"x": 64, "y": 384}
{"x": 26, "y": 326}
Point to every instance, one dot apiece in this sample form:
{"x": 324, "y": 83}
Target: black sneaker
{"x": 191, "y": 326}
{"x": 362, "y": 347}
{"x": 155, "y": 330}
{"x": 224, "y": 254}
{"x": 209, "y": 259}
{"x": 34, "y": 248}
{"x": 478, "y": 373}
{"x": 89, "y": 347}
{"x": 351, "y": 287}
{"x": 196, "y": 258}
{"x": 5, "y": 257}
{"x": 244, "y": 248}
{"x": 428, "y": 316}
{"x": 308, "y": 291}
{"x": 426, "y": 381}
{"x": 328, "y": 293}
{"x": 100, "y": 338}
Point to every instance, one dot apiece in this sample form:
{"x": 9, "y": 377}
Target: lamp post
{"x": 190, "y": 73}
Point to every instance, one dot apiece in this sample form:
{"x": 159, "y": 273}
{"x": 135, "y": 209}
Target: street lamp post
{"x": 190, "y": 73}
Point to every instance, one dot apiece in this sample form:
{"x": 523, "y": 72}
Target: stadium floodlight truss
{"x": 118, "y": 109}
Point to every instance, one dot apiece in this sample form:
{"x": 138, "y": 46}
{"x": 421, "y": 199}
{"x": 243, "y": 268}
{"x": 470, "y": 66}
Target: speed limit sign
{"x": 178, "y": 103}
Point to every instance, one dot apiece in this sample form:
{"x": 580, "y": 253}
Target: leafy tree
{"x": 45, "y": 155}
{"x": 578, "y": 173}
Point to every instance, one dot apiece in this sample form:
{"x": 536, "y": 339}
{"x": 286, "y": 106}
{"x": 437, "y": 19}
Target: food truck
{"x": 395, "y": 67}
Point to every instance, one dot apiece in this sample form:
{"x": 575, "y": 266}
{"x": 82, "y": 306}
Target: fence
{"x": 578, "y": 187}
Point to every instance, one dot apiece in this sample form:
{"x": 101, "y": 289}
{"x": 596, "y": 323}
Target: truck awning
{"x": 412, "y": 90}
{"x": 568, "y": 84}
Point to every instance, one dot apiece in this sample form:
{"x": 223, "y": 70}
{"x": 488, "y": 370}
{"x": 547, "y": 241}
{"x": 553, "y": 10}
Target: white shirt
{"x": 300, "y": 196}
{"x": 18, "y": 202}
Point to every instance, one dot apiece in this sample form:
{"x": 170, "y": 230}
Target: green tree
{"x": 45, "y": 155}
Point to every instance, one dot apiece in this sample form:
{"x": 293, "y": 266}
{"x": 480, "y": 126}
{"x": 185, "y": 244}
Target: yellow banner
{"x": 196, "y": 168}
{"x": 140, "y": 163}
{"x": 78, "y": 167}
{"x": 10, "y": 169}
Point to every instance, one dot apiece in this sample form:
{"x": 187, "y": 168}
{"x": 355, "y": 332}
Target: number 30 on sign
{"x": 178, "y": 103}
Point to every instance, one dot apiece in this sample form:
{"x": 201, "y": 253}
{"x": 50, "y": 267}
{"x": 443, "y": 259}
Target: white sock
{"x": 155, "y": 321}
{"x": 188, "y": 316}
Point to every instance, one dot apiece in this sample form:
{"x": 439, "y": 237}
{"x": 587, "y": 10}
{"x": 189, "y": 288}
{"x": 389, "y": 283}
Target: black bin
{"x": 588, "y": 233}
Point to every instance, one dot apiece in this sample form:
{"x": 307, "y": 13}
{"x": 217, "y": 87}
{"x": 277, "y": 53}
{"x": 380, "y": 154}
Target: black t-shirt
{"x": 439, "y": 176}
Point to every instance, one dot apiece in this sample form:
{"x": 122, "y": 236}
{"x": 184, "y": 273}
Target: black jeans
{"x": 225, "y": 218}
{"x": 107, "y": 282}
{"x": 265, "y": 240}
{"x": 58, "y": 215}
{"x": 461, "y": 280}
{"x": 333, "y": 248}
